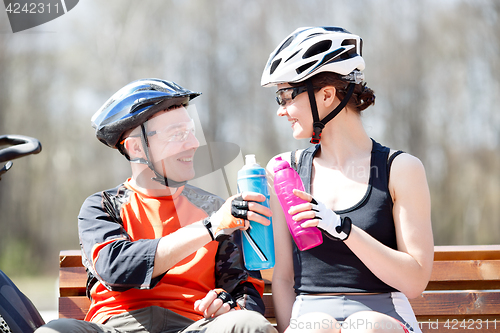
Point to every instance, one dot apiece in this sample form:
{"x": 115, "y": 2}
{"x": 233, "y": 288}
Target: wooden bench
{"x": 463, "y": 294}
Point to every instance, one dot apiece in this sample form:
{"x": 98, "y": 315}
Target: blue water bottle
{"x": 258, "y": 241}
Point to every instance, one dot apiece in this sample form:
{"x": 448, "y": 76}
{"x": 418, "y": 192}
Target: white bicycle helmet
{"x": 312, "y": 50}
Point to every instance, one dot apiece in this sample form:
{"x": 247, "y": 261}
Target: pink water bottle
{"x": 286, "y": 180}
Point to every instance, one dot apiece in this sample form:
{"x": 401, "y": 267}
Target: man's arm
{"x": 107, "y": 250}
{"x": 120, "y": 263}
{"x": 178, "y": 245}
{"x": 245, "y": 286}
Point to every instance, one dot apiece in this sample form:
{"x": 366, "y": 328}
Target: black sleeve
{"x": 108, "y": 253}
{"x": 232, "y": 276}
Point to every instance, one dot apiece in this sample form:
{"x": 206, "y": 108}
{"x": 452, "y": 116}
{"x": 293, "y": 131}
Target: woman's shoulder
{"x": 407, "y": 172}
{"x": 405, "y": 162}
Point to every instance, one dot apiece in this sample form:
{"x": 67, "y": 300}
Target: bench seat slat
{"x": 77, "y": 306}
{"x": 457, "y": 303}
{"x": 466, "y": 270}
{"x": 459, "y": 326}
{"x": 463, "y": 285}
{"x": 73, "y": 307}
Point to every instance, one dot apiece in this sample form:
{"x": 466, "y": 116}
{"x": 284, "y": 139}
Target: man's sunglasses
{"x": 177, "y": 132}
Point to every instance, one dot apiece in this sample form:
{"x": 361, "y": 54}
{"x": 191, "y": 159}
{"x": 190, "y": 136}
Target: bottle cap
{"x": 250, "y": 160}
{"x": 280, "y": 164}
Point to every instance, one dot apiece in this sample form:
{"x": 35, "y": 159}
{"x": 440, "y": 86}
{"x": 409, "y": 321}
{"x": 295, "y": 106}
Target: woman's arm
{"x": 408, "y": 269}
{"x": 283, "y": 276}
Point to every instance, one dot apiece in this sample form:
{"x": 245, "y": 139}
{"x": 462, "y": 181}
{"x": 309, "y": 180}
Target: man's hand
{"x": 216, "y": 303}
{"x": 237, "y": 211}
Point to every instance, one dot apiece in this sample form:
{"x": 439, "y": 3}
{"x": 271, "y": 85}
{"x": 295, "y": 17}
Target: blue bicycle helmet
{"x": 132, "y": 106}
{"x": 135, "y": 103}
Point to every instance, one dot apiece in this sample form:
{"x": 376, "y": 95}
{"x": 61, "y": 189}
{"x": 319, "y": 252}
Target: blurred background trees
{"x": 433, "y": 64}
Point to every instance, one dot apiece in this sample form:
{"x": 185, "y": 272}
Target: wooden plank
{"x": 460, "y": 326}
{"x": 467, "y": 252}
{"x": 463, "y": 285}
{"x": 267, "y": 275}
{"x": 73, "y": 307}
{"x": 466, "y": 270}
{"x": 72, "y": 281}
{"x": 446, "y": 252}
{"x": 441, "y": 252}
{"x": 477, "y": 318}
{"x": 70, "y": 258}
{"x": 268, "y": 302}
{"x": 457, "y": 303}
{"x": 77, "y": 306}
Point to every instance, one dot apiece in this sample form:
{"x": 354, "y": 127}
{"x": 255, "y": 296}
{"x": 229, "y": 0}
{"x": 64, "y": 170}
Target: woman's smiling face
{"x": 298, "y": 113}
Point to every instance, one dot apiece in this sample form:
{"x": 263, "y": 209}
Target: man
{"x": 161, "y": 255}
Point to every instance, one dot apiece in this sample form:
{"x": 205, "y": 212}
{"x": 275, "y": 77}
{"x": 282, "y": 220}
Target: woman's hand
{"x": 320, "y": 216}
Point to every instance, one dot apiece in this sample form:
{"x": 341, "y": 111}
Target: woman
{"x": 377, "y": 245}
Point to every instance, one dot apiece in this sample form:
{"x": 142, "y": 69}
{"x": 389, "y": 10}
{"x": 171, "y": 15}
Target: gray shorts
{"x": 394, "y": 304}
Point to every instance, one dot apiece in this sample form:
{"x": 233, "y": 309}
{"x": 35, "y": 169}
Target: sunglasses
{"x": 283, "y": 96}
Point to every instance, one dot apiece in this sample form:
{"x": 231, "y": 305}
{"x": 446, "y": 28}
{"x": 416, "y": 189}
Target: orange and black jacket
{"x": 119, "y": 231}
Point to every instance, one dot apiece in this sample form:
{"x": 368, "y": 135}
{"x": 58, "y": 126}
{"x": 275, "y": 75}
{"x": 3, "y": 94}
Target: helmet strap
{"x": 318, "y": 125}
{"x": 160, "y": 178}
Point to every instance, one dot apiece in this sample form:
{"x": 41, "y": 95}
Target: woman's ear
{"x": 133, "y": 146}
{"x": 327, "y": 95}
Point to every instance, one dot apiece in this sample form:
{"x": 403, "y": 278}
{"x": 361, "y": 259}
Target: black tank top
{"x": 332, "y": 267}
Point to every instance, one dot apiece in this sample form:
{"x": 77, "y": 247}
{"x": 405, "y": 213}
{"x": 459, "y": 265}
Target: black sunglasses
{"x": 287, "y": 94}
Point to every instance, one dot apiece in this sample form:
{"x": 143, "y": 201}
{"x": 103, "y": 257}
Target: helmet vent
{"x": 108, "y": 103}
{"x": 332, "y": 55}
{"x": 336, "y": 29}
{"x": 353, "y": 51}
{"x": 293, "y": 55}
{"x": 158, "y": 88}
{"x": 285, "y": 44}
{"x": 275, "y": 65}
{"x": 318, "y": 48}
{"x": 305, "y": 67}
{"x": 311, "y": 36}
